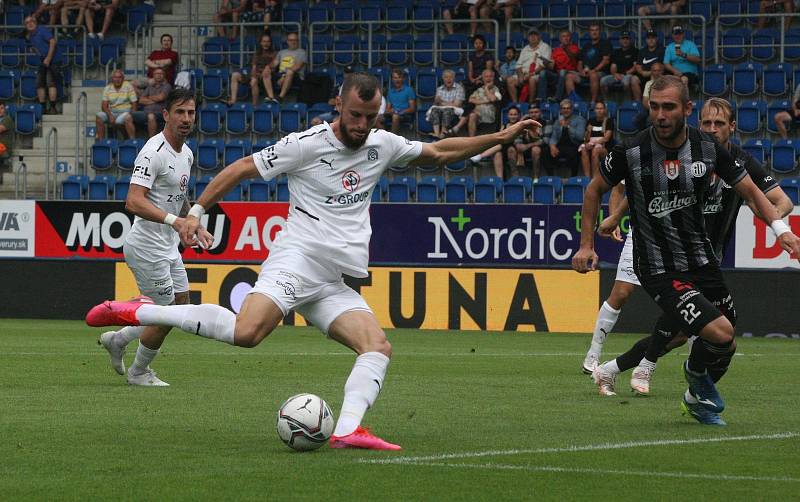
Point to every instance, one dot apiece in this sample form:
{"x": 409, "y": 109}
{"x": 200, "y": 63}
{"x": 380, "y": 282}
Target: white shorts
{"x": 312, "y": 289}
{"x": 158, "y": 278}
{"x": 625, "y": 271}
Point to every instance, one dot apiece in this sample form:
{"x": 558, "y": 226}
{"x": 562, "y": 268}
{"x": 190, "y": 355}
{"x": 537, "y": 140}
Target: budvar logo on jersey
{"x": 672, "y": 168}
{"x": 350, "y": 181}
{"x": 458, "y": 236}
{"x": 756, "y": 244}
{"x": 662, "y": 206}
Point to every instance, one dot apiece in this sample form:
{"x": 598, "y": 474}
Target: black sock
{"x": 663, "y": 332}
{"x": 718, "y": 368}
{"x": 635, "y": 354}
{"x": 706, "y": 354}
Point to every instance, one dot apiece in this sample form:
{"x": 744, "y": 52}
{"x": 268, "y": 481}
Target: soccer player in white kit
{"x": 332, "y": 170}
{"x": 157, "y": 196}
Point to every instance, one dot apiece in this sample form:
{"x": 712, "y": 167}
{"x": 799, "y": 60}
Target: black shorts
{"x": 693, "y": 78}
{"x": 42, "y": 75}
{"x": 461, "y": 11}
{"x": 692, "y": 299}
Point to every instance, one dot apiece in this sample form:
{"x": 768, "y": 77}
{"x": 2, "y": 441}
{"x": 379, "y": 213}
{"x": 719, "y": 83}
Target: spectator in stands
{"x": 268, "y": 11}
{"x": 531, "y": 64}
{"x": 774, "y": 7}
{"x": 109, "y": 8}
{"x": 44, "y": 44}
{"x": 660, "y": 7}
{"x": 6, "y": 135}
{"x": 486, "y": 100}
{"x": 597, "y": 140}
{"x": 49, "y": 8}
{"x": 152, "y": 100}
{"x": 532, "y": 144}
{"x": 447, "y": 105}
{"x": 652, "y": 52}
{"x": 290, "y": 62}
{"x": 791, "y": 116}
{"x": 229, "y": 12}
{"x": 119, "y": 100}
{"x": 567, "y": 136}
{"x": 463, "y": 9}
{"x": 643, "y": 117}
{"x": 594, "y": 60}
{"x": 502, "y": 155}
{"x": 260, "y": 72}
{"x": 623, "y": 68}
{"x": 565, "y": 65}
{"x": 501, "y": 10}
{"x": 164, "y": 58}
{"x": 479, "y": 60}
{"x": 681, "y": 57}
{"x": 401, "y": 101}
{"x": 508, "y": 70}
{"x": 79, "y": 7}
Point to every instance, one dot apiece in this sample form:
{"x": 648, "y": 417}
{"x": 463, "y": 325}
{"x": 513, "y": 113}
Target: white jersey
{"x": 330, "y": 188}
{"x": 166, "y": 173}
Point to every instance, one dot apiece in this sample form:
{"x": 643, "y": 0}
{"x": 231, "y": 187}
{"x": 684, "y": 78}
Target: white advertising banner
{"x": 756, "y": 245}
{"x": 17, "y": 228}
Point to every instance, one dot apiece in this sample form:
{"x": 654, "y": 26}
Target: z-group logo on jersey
{"x": 350, "y": 181}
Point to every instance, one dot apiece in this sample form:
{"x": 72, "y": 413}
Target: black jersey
{"x": 722, "y": 202}
{"x": 666, "y": 192}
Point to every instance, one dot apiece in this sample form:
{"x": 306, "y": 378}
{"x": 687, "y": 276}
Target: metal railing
{"x": 384, "y": 51}
{"x": 22, "y": 170}
{"x": 81, "y": 118}
{"x": 50, "y": 162}
{"x": 11, "y": 29}
{"x": 781, "y": 43}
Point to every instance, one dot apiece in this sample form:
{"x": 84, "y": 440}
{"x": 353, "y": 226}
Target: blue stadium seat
{"x": 486, "y": 192}
{"x": 235, "y": 150}
{"x": 427, "y": 192}
{"x": 282, "y": 190}
{"x": 234, "y": 194}
{"x": 214, "y": 83}
{"x": 208, "y": 154}
{"x": 370, "y": 12}
{"x": 777, "y": 80}
{"x": 626, "y": 114}
{"x": 321, "y": 12}
{"x": 8, "y": 85}
{"x": 260, "y": 190}
{"x": 111, "y": 49}
{"x": 345, "y": 51}
{"x": 101, "y": 187}
{"x": 772, "y": 109}
{"x": 264, "y": 118}
{"x": 513, "y": 192}
{"x": 424, "y": 13}
{"x": 410, "y": 181}
{"x": 214, "y": 51}
{"x": 559, "y": 9}
{"x": 586, "y": 11}
{"x": 455, "y": 191}
{"x": 759, "y": 148}
{"x": 291, "y": 117}
{"x": 791, "y": 41}
{"x": 784, "y": 155}
{"x": 495, "y": 181}
{"x": 435, "y": 180}
{"x": 427, "y": 79}
{"x": 397, "y": 49}
{"x": 237, "y": 118}
{"x": 399, "y": 192}
{"x": 546, "y": 190}
{"x": 791, "y": 186}
{"x": 525, "y": 181}
{"x": 456, "y": 167}
{"x": 294, "y": 12}
{"x": 27, "y": 85}
{"x": 765, "y": 43}
{"x": 746, "y": 77}
{"x": 694, "y": 116}
{"x": 452, "y": 49}
{"x": 573, "y": 190}
{"x": 200, "y": 187}
{"x": 103, "y": 152}
{"x": 139, "y": 15}
{"x": 318, "y": 109}
{"x": 533, "y": 11}
{"x": 734, "y": 42}
{"x": 121, "y": 187}
{"x": 12, "y": 52}
{"x": 399, "y": 11}
{"x": 71, "y": 190}
{"x": 700, "y": 8}
{"x": 127, "y": 151}
{"x": 422, "y": 48}
{"x": 729, "y": 7}
{"x": 83, "y": 180}
{"x": 749, "y": 115}
{"x": 211, "y": 118}
{"x": 382, "y": 187}
{"x": 344, "y": 14}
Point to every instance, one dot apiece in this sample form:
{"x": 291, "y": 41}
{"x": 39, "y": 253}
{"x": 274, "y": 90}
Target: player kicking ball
{"x": 667, "y": 169}
{"x": 722, "y": 204}
{"x": 332, "y": 170}
{"x": 157, "y": 197}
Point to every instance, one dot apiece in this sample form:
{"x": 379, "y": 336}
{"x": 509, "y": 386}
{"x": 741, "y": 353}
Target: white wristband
{"x": 197, "y": 211}
{"x": 170, "y": 218}
{"x": 779, "y": 227}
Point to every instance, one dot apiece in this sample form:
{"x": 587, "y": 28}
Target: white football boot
{"x": 115, "y": 352}
{"x": 146, "y": 379}
{"x": 640, "y": 380}
{"x": 590, "y": 362}
{"x": 605, "y": 381}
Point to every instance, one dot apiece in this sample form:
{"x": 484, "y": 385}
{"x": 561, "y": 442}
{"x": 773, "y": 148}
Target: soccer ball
{"x": 305, "y": 422}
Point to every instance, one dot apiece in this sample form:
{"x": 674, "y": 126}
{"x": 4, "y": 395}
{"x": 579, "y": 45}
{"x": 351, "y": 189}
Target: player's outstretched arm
{"x": 452, "y": 150}
{"x": 768, "y": 214}
{"x": 585, "y": 259}
{"x": 783, "y": 204}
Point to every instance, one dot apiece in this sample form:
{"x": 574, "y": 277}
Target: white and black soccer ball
{"x": 305, "y": 422}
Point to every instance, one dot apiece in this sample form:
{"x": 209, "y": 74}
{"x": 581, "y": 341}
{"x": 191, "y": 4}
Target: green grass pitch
{"x": 481, "y": 416}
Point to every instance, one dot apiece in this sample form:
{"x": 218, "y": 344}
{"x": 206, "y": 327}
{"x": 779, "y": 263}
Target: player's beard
{"x": 670, "y": 136}
{"x": 350, "y": 141}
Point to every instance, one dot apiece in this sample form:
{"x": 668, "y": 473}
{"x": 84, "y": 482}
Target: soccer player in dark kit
{"x": 667, "y": 170}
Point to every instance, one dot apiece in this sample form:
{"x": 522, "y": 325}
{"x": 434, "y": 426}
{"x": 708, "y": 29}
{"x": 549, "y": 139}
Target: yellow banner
{"x": 431, "y": 298}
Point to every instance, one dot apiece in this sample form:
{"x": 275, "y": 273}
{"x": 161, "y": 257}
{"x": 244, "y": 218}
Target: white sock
{"x": 143, "y": 358}
{"x": 689, "y": 397}
{"x": 361, "y": 390}
{"x": 647, "y": 364}
{"x": 611, "y": 366}
{"x": 207, "y": 320}
{"x": 128, "y": 334}
{"x": 606, "y": 319}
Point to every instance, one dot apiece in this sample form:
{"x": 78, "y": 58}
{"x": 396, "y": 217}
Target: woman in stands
{"x": 599, "y": 137}
{"x": 260, "y": 72}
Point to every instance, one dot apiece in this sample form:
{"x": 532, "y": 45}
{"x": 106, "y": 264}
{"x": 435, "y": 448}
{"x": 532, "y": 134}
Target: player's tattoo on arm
{"x": 185, "y": 208}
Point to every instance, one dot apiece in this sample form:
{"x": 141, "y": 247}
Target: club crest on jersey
{"x": 184, "y": 182}
{"x": 372, "y": 154}
{"x": 350, "y": 181}
{"x": 698, "y": 169}
{"x": 672, "y": 168}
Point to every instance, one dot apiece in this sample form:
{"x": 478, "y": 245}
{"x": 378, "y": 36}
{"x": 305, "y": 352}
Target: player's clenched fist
{"x": 584, "y": 260}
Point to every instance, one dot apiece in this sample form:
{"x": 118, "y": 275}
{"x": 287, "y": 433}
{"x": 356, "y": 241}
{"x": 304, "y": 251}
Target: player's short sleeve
{"x": 401, "y": 150}
{"x": 761, "y": 178}
{"x": 727, "y": 168}
{"x": 615, "y": 166}
{"x": 146, "y": 168}
{"x": 282, "y": 157}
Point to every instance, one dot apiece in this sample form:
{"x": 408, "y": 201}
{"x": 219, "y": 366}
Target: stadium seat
{"x": 398, "y": 192}
{"x": 233, "y": 195}
{"x": 715, "y": 79}
{"x": 749, "y": 115}
{"x": 103, "y": 152}
{"x": 626, "y": 115}
{"x": 321, "y": 48}
{"x": 456, "y": 167}
{"x": 214, "y": 51}
{"x": 452, "y": 49}
{"x": 398, "y": 12}
{"x": 455, "y": 191}
{"x": 320, "y": 13}
{"x": 27, "y": 85}
{"x": 784, "y": 155}
{"x": 208, "y": 154}
{"x": 486, "y": 192}
{"x": 344, "y": 14}
{"x": 791, "y": 186}
{"x": 237, "y": 118}
{"x": 291, "y": 117}
{"x": 111, "y": 49}
{"x": 83, "y": 180}
{"x": 700, "y": 8}
{"x": 127, "y": 152}
{"x": 214, "y": 83}
{"x": 765, "y": 42}
{"x": 513, "y": 192}
{"x": 422, "y": 48}
{"x": 373, "y": 56}
{"x": 397, "y": 49}
{"x": 427, "y": 191}
{"x": 12, "y": 52}
{"x": 264, "y": 118}
{"x": 791, "y": 42}
{"x": 427, "y": 79}
{"x": 8, "y": 85}
{"x": 777, "y": 80}
{"x": 410, "y": 181}
{"x": 533, "y": 13}
{"x": 121, "y": 187}
{"x": 344, "y": 51}
{"x": 573, "y": 190}
{"x": 746, "y": 77}
{"x": 424, "y": 13}
{"x": 211, "y": 118}
{"x": 318, "y": 109}
{"x": 367, "y": 12}
{"x": 282, "y": 190}
{"x": 71, "y": 190}
{"x": 559, "y": 9}
{"x": 138, "y": 16}
{"x": 235, "y": 150}
{"x": 101, "y": 187}
{"x": 546, "y": 190}
{"x": 730, "y": 7}
{"x": 772, "y": 109}
{"x": 260, "y": 190}
{"x": 734, "y": 43}
{"x": 759, "y": 148}
{"x": 496, "y": 181}
{"x": 694, "y": 116}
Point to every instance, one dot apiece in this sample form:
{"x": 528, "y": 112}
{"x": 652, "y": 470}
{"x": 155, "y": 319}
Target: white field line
{"x": 580, "y": 470}
{"x": 594, "y": 447}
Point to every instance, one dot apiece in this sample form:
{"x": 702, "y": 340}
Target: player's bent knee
{"x": 720, "y": 331}
{"x": 249, "y": 335}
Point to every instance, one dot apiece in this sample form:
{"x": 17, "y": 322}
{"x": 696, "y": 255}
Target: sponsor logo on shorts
{"x": 288, "y": 289}
{"x": 166, "y": 291}
{"x": 160, "y": 283}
